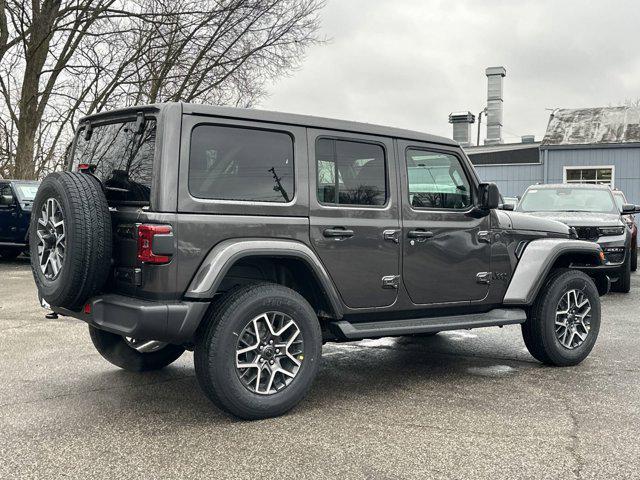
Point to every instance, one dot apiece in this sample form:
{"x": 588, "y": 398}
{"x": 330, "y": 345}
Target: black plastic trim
{"x": 142, "y": 319}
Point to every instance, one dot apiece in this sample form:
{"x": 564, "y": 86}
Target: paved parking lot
{"x": 467, "y": 404}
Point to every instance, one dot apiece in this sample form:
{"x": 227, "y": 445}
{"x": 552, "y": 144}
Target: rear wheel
{"x": 10, "y": 253}
{"x": 564, "y": 320}
{"x": 134, "y": 355}
{"x": 259, "y": 351}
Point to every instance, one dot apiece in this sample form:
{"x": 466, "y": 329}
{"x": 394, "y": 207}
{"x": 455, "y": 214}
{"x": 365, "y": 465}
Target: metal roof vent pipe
{"x": 495, "y": 78}
{"x": 462, "y": 127}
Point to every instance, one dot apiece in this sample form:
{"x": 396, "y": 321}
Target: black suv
{"x": 253, "y": 237}
{"x": 592, "y": 211}
{"x": 16, "y": 199}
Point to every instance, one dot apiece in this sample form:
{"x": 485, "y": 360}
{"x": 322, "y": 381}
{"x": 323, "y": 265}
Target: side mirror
{"x": 630, "y": 209}
{"x": 507, "y": 206}
{"x": 488, "y": 196}
{"x": 6, "y": 200}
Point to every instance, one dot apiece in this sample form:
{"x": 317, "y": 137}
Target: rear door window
{"x": 350, "y": 173}
{"x": 241, "y": 164}
{"x": 120, "y": 158}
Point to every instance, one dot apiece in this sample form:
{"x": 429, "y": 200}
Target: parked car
{"x": 630, "y": 220}
{"x": 16, "y": 199}
{"x": 253, "y": 237}
{"x": 592, "y": 212}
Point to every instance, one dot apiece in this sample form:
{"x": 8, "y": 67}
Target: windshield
{"x": 26, "y": 191}
{"x": 567, "y": 200}
{"x": 120, "y": 158}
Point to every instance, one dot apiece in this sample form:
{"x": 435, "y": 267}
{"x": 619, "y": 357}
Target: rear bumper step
{"x": 142, "y": 319}
{"x": 389, "y": 328}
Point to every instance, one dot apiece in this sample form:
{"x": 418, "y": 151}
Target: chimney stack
{"x": 462, "y": 127}
{"x": 495, "y": 76}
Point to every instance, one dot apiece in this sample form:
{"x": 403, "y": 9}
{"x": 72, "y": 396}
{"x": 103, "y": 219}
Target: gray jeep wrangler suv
{"x": 252, "y": 237}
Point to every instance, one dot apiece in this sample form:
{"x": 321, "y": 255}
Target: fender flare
{"x": 536, "y": 262}
{"x": 221, "y": 258}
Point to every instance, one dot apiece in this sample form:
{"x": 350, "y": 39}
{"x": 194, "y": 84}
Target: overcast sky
{"x": 409, "y": 63}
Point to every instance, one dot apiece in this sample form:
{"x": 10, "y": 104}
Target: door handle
{"x": 391, "y": 235}
{"x": 337, "y": 233}
{"x": 419, "y": 234}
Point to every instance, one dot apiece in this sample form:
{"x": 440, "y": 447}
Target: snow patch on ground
{"x": 492, "y": 371}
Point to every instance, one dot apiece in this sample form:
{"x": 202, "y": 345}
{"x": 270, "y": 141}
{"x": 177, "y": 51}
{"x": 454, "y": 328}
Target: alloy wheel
{"x": 51, "y": 239}
{"x": 573, "y": 319}
{"x": 269, "y": 353}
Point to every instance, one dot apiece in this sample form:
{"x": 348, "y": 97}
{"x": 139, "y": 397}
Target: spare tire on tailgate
{"x": 71, "y": 240}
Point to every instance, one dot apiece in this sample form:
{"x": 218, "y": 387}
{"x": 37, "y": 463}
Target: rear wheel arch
{"x": 289, "y": 271}
{"x": 284, "y": 262}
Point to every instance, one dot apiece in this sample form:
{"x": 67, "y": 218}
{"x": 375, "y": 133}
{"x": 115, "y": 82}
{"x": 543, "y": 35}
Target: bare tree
{"x": 63, "y": 59}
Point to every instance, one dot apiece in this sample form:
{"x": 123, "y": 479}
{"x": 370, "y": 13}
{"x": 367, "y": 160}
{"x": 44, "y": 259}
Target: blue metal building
{"x": 589, "y": 145}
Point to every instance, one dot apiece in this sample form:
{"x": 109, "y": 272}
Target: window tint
{"x": 350, "y": 173}
{"x": 230, "y": 163}
{"x": 437, "y": 180}
{"x": 121, "y": 158}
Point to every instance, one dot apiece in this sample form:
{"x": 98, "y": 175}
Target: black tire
{"x": 88, "y": 237}
{"x": 634, "y": 255}
{"x": 215, "y": 350}
{"x": 538, "y": 331}
{"x": 10, "y": 253}
{"x": 623, "y": 283}
{"x": 115, "y": 350}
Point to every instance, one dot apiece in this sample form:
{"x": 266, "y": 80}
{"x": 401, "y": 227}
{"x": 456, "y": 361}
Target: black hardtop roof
{"x": 285, "y": 119}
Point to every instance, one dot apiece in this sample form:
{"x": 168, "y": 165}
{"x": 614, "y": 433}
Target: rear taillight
{"x": 147, "y": 233}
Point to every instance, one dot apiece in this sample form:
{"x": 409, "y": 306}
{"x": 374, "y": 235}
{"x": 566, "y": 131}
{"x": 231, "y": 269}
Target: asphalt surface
{"x": 466, "y": 404}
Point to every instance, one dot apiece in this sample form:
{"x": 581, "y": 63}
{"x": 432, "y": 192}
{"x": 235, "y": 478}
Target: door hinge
{"x": 483, "y": 278}
{"x": 390, "y": 281}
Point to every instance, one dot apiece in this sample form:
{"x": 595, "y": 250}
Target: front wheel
{"x": 634, "y": 255}
{"x": 259, "y": 351}
{"x": 134, "y": 355}
{"x": 564, "y": 321}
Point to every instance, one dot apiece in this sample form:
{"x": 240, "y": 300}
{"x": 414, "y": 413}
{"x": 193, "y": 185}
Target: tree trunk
{"x": 37, "y": 47}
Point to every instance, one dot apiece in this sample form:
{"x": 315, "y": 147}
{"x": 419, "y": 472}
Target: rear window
{"x": 245, "y": 164}
{"x": 120, "y": 158}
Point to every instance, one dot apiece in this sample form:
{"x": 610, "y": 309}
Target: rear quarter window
{"x": 241, "y": 164}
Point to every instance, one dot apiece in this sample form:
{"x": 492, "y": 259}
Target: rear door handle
{"x": 337, "y": 233}
{"x": 420, "y": 234}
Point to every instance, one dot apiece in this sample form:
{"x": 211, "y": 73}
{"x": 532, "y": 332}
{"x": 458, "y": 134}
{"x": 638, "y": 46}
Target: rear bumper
{"x": 143, "y": 319}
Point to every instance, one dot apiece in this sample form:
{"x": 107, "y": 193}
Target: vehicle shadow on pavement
{"x": 21, "y": 261}
{"x": 359, "y": 370}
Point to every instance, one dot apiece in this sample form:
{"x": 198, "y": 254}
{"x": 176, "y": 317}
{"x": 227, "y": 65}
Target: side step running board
{"x": 390, "y": 328}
